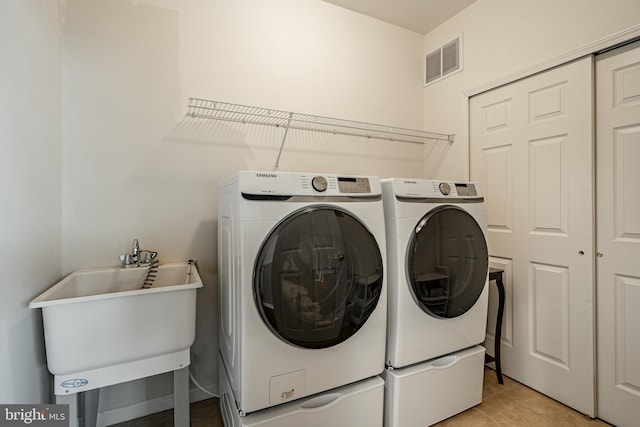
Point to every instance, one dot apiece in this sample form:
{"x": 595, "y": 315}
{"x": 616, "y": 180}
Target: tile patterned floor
{"x": 513, "y": 404}
{"x": 205, "y": 413}
{"x": 503, "y": 405}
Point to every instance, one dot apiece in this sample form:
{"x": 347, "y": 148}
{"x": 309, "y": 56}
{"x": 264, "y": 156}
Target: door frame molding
{"x": 622, "y": 37}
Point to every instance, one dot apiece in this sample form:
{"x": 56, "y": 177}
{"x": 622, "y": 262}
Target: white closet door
{"x": 618, "y": 234}
{"x": 532, "y": 148}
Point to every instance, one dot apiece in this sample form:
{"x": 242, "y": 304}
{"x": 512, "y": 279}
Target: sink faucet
{"x": 135, "y": 259}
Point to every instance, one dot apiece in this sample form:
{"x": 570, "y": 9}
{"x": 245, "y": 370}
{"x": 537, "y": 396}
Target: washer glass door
{"x": 318, "y": 277}
{"x": 447, "y": 262}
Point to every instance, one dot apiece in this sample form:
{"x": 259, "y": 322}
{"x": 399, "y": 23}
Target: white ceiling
{"x": 420, "y": 16}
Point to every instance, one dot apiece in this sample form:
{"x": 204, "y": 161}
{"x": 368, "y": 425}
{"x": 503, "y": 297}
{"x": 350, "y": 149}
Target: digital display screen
{"x": 466, "y": 190}
{"x": 353, "y": 185}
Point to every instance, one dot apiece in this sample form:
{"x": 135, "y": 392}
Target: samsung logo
{"x": 266, "y": 175}
{"x": 410, "y": 182}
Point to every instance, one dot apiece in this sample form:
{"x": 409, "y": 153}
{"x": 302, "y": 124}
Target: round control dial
{"x": 319, "y": 183}
{"x": 445, "y": 188}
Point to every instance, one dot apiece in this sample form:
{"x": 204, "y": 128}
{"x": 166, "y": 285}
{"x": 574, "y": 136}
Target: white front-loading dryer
{"x": 302, "y": 288}
{"x": 437, "y": 268}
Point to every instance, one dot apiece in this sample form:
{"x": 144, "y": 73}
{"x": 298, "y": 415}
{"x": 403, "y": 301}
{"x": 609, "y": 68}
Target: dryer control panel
{"x": 434, "y": 189}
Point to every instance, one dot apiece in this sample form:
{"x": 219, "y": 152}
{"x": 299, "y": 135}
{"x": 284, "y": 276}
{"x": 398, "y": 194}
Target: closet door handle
{"x": 599, "y": 254}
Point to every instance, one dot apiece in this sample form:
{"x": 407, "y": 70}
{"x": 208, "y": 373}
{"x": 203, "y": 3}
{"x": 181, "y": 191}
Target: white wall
{"x": 30, "y": 185}
{"x": 135, "y": 167}
{"x": 503, "y": 37}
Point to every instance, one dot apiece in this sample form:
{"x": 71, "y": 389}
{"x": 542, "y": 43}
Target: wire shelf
{"x": 202, "y": 108}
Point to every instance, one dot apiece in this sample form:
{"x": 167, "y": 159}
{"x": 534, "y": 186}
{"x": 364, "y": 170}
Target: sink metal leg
{"x": 72, "y": 401}
{"x": 90, "y": 407}
{"x": 181, "y": 417}
{"x": 88, "y": 400}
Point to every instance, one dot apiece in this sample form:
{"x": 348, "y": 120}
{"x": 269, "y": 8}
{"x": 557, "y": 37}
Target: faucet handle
{"x": 150, "y": 256}
{"x": 126, "y": 260}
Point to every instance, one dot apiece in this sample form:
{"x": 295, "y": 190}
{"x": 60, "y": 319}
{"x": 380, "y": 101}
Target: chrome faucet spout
{"x": 135, "y": 250}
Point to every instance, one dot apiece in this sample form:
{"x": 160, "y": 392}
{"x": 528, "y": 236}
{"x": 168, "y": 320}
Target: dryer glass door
{"x": 447, "y": 262}
{"x": 318, "y": 277}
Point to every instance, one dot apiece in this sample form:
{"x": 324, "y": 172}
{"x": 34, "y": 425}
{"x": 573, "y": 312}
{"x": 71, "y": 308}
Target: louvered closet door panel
{"x": 531, "y": 147}
{"x": 618, "y": 234}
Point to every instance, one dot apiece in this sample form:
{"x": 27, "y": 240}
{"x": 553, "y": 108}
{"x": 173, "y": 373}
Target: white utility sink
{"x": 102, "y": 328}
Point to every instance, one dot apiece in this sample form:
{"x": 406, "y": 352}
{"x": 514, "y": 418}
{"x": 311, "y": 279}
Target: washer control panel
{"x": 332, "y": 184}
{"x": 307, "y": 184}
{"x": 353, "y": 185}
{"x": 444, "y": 188}
{"x": 455, "y": 189}
{"x": 466, "y": 189}
{"x": 319, "y": 183}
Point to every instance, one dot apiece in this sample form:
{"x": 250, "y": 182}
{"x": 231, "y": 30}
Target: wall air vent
{"x": 443, "y": 61}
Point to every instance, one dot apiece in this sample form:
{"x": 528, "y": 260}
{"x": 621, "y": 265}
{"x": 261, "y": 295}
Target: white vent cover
{"x": 443, "y": 61}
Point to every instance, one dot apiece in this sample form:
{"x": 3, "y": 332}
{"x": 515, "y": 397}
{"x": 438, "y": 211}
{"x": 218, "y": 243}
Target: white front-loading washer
{"x": 302, "y": 287}
{"x": 437, "y": 268}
